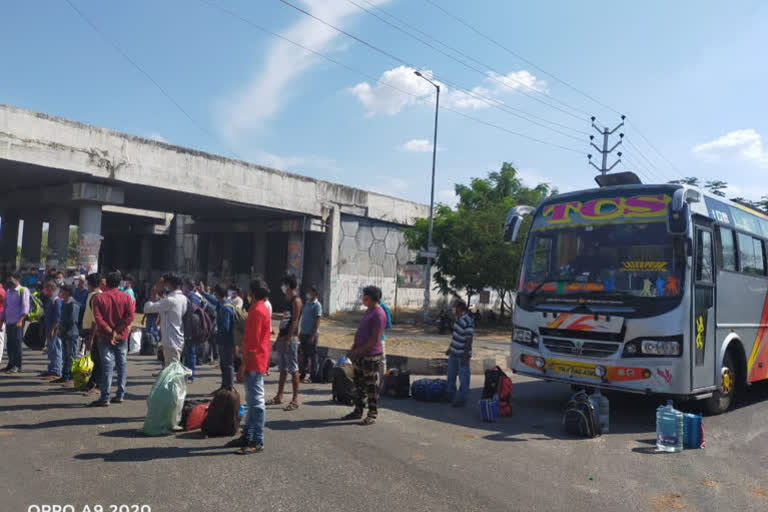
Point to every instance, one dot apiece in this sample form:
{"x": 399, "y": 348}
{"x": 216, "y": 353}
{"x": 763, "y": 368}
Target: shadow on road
{"x": 154, "y": 453}
{"x": 73, "y": 422}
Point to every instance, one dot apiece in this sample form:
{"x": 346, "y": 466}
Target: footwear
{"x": 39, "y": 374}
{"x": 306, "y": 380}
{"x": 177, "y": 428}
{"x": 237, "y": 443}
{"x": 274, "y": 401}
{"x": 13, "y": 371}
{"x": 99, "y": 403}
{"x": 117, "y": 400}
{"x": 250, "y": 449}
{"x": 68, "y": 384}
{"x": 52, "y": 377}
{"x": 91, "y": 391}
{"x": 60, "y": 380}
{"x": 369, "y": 420}
{"x": 354, "y": 415}
{"x": 292, "y": 406}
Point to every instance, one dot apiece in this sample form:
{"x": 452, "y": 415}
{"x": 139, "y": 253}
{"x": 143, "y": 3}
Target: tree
{"x": 471, "y": 252}
{"x": 716, "y": 187}
{"x": 690, "y": 180}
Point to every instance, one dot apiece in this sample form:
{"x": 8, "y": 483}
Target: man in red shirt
{"x": 256, "y": 345}
{"x": 113, "y": 314}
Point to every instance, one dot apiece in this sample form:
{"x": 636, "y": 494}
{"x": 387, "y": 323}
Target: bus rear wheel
{"x": 723, "y": 397}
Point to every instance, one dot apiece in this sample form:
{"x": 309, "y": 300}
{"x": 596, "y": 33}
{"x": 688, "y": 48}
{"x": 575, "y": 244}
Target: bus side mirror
{"x": 514, "y": 221}
{"x": 677, "y": 221}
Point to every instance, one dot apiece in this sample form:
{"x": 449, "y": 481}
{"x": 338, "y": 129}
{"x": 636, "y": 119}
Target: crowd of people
{"x": 96, "y": 314}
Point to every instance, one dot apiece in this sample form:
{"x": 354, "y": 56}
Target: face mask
{"x": 284, "y": 288}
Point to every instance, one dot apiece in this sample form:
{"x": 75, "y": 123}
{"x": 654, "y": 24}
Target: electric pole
{"x": 606, "y": 133}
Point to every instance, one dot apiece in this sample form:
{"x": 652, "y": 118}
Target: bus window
{"x": 542, "y": 256}
{"x": 751, "y": 259}
{"x": 726, "y": 253}
{"x": 704, "y": 257}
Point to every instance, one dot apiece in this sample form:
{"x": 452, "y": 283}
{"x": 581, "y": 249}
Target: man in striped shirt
{"x": 459, "y": 354}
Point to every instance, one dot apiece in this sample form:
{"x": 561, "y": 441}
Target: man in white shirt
{"x": 171, "y": 309}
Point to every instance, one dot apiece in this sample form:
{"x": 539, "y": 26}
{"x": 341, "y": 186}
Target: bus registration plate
{"x": 587, "y": 372}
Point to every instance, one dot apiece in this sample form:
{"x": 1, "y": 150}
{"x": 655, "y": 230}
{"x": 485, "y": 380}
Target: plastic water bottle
{"x": 669, "y": 428}
{"x": 603, "y": 408}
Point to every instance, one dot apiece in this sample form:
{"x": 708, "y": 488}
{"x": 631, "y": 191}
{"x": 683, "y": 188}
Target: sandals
{"x": 273, "y": 401}
{"x": 354, "y": 415}
{"x": 291, "y": 406}
{"x": 369, "y": 420}
{"x": 250, "y": 449}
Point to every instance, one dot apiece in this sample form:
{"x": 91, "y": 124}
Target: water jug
{"x": 693, "y": 431}
{"x": 669, "y": 428}
{"x": 601, "y": 404}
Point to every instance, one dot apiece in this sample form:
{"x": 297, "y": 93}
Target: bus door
{"x": 702, "y": 342}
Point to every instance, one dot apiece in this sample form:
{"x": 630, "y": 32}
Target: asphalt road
{"x": 418, "y": 457}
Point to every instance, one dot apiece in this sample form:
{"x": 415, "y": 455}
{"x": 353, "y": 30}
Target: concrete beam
{"x": 254, "y": 226}
{"x": 64, "y": 195}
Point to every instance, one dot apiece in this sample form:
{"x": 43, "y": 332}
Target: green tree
{"x": 469, "y": 238}
{"x": 690, "y": 180}
{"x": 716, "y": 187}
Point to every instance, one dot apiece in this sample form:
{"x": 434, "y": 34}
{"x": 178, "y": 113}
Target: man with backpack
{"x": 366, "y": 356}
{"x": 171, "y": 309}
{"x": 287, "y": 345}
{"x": 256, "y": 341}
{"x": 113, "y": 313}
{"x": 311, "y": 314}
{"x": 459, "y": 353}
{"x": 89, "y": 335}
{"x": 14, "y": 313}
{"x": 225, "y": 311}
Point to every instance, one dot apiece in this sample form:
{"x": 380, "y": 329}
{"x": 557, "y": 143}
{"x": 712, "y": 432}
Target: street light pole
{"x": 428, "y": 277}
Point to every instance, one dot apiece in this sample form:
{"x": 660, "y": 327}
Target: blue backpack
{"x": 429, "y": 390}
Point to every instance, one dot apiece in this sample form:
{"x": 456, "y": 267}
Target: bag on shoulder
{"x": 581, "y": 418}
{"x": 239, "y": 319}
{"x": 498, "y": 384}
{"x": 196, "y": 324}
{"x": 343, "y": 388}
{"x": 34, "y": 337}
{"x": 397, "y": 384}
{"x": 429, "y": 390}
{"x": 222, "y": 419}
{"x": 36, "y": 310}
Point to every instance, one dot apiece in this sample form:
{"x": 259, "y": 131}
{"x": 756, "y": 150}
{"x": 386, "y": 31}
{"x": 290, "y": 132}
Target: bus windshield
{"x": 622, "y": 260}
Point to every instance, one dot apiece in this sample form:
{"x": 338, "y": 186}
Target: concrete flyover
{"x": 147, "y": 207}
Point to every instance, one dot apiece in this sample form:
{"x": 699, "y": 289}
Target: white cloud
{"x": 447, "y": 196}
{"x": 418, "y": 146}
{"x": 262, "y": 98}
{"x": 157, "y": 137}
{"x": 741, "y": 145}
{"x": 408, "y": 89}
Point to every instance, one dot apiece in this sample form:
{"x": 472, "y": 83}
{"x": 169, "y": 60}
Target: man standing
{"x": 308, "y": 335}
{"x": 15, "y": 311}
{"x": 287, "y": 345}
{"x": 189, "y": 353}
{"x": 113, "y": 314}
{"x": 459, "y": 354}
{"x": 2, "y": 325}
{"x": 366, "y": 356}
{"x": 89, "y": 335}
{"x": 68, "y": 333}
{"x": 171, "y": 309}
{"x": 51, "y": 323}
{"x": 256, "y": 342}
{"x": 225, "y": 342}
{"x": 237, "y": 299}
{"x": 80, "y": 294}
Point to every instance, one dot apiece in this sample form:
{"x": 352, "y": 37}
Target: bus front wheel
{"x": 723, "y": 397}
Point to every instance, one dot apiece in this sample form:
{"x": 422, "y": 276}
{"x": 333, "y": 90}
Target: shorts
{"x": 288, "y": 361}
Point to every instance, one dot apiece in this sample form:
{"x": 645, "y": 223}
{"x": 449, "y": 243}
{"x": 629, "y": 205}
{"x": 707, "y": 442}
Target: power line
{"x": 645, "y": 158}
{"x": 382, "y": 82}
{"x": 517, "y": 55}
{"x": 463, "y": 63}
{"x": 551, "y": 75}
{"x": 146, "y": 74}
{"x": 489, "y": 101}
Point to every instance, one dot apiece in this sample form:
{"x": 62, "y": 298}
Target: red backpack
{"x": 498, "y": 385}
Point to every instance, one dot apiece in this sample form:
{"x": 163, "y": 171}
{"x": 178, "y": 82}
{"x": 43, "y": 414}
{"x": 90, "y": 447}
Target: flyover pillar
{"x": 333, "y": 234}
{"x": 9, "y": 236}
{"x": 259, "y": 263}
{"x": 58, "y": 238}
{"x": 31, "y": 239}
{"x": 145, "y": 270}
{"x": 90, "y": 238}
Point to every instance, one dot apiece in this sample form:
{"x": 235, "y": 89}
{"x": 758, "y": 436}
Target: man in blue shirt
{"x": 68, "y": 333}
{"x": 51, "y": 323}
{"x": 459, "y": 354}
{"x": 308, "y": 336}
{"x": 225, "y": 311}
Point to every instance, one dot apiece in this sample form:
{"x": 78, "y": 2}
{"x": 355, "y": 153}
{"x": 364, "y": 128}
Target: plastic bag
{"x": 134, "y": 342}
{"x": 166, "y": 400}
{"x": 81, "y": 370}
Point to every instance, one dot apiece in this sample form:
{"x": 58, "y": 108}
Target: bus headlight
{"x": 667, "y": 346}
{"x": 524, "y": 336}
{"x": 600, "y": 371}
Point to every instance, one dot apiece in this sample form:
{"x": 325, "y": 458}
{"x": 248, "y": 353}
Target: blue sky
{"x": 690, "y": 74}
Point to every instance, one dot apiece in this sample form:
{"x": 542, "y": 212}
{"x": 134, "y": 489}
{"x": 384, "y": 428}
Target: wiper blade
{"x": 549, "y": 279}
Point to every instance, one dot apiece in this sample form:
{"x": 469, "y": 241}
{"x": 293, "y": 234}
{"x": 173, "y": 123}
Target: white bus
{"x": 656, "y": 289}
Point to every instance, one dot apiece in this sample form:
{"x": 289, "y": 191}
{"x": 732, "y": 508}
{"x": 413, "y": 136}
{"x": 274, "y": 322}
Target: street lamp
{"x": 428, "y": 280}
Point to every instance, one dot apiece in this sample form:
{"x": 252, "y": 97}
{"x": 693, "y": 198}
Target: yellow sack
{"x": 81, "y": 370}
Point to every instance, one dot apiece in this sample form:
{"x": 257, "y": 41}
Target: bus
{"x": 653, "y": 289}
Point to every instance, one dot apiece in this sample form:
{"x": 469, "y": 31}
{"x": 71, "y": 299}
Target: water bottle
{"x": 602, "y": 406}
{"x": 669, "y": 428}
